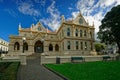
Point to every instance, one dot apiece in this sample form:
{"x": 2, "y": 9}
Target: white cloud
{"x": 11, "y": 12}
{"x": 70, "y": 8}
{"x": 54, "y": 20}
{"x": 85, "y": 6}
{"x": 74, "y": 14}
{"x": 27, "y": 8}
{"x": 107, "y": 3}
{"x": 42, "y": 2}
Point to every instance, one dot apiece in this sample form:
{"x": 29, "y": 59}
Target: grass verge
{"x": 89, "y": 70}
{"x": 10, "y": 72}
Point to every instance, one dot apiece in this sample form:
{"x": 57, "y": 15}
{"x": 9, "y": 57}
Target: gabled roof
{"x": 80, "y": 20}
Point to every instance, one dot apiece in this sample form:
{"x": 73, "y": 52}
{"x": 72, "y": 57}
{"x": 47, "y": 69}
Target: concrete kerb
{"x": 62, "y": 76}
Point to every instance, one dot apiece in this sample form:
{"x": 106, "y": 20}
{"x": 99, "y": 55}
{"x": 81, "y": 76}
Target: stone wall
{"x": 67, "y": 59}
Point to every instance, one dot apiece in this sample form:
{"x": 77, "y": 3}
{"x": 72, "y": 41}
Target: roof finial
{"x": 19, "y": 26}
{"x": 93, "y": 24}
{"x": 62, "y": 18}
{"x": 87, "y": 22}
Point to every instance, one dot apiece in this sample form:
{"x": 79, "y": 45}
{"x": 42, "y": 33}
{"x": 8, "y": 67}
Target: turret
{"x": 32, "y": 26}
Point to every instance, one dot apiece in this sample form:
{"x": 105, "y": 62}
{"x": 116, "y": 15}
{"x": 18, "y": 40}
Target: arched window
{"x": 50, "y": 47}
{"x": 68, "y": 45}
{"x": 25, "y": 46}
{"x": 77, "y": 47}
{"x": 85, "y": 33}
{"x": 56, "y": 47}
{"x": 80, "y": 33}
{"x": 76, "y": 32}
{"x": 16, "y": 46}
{"x": 68, "y": 31}
{"x": 85, "y": 45}
{"x": 81, "y": 45}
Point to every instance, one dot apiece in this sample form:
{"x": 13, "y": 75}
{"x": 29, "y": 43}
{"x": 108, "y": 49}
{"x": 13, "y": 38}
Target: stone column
{"x": 23, "y": 59}
{"x": 53, "y": 47}
{"x": 72, "y": 44}
{"x": 72, "y": 31}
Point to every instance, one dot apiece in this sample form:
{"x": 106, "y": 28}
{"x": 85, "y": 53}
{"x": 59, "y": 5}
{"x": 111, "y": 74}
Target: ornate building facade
{"x": 74, "y": 37}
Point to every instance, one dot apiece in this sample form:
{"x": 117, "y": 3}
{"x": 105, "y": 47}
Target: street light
{"x": 24, "y": 39}
{"x": 42, "y": 40}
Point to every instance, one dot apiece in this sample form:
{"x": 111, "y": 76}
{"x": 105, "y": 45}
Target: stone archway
{"x": 38, "y": 47}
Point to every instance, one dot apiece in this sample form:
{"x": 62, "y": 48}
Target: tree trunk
{"x": 118, "y": 43}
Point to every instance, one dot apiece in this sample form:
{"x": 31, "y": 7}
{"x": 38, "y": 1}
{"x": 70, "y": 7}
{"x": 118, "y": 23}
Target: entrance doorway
{"x": 38, "y": 47}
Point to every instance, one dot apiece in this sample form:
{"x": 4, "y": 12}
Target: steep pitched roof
{"x": 80, "y": 20}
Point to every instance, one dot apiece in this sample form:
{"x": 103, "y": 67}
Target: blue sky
{"x": 49, "y": 12}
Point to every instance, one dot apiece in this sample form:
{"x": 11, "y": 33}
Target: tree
{"x": 99, "y": 47}
{"x": 109, "y": 30}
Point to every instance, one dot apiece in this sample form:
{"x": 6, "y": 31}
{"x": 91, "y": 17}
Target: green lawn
{"x": 8, "y": 70}
{"x": 109, "y": 70}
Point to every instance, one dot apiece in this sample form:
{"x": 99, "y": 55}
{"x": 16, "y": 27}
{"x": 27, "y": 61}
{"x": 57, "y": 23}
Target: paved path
{"x": 34, "y": 71}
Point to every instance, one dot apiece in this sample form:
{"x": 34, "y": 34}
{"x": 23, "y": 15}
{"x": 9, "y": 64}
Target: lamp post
{"x": 42, "y": 40}
{"x": 24, "y": 39}
{"x": 23, "y": 56}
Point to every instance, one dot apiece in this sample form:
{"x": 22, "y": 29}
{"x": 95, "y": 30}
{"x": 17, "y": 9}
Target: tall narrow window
{"x": 77, "y": 47}
{"x": 85, "y": 33}
{"x": 80, "y": 33}
{"x": 56, "y": 47}
{"x": 85, "y": 45}
{"x": 68, "y": 45}
{"x": 68, "y": 31}
{"x": 76, "y": 32}
{"x": 16, "y": 46}
{"x": 50, "y": 47}
{"x": 81, "y": 45}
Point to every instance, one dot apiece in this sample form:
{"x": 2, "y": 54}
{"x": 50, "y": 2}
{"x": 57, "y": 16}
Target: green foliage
{"x": 4, "y": 65}
{"x": 89, "y": 70}
{"x": 10, "y": 72}
{"x": 99, "y": 47}
{"x": 110, "y": 28}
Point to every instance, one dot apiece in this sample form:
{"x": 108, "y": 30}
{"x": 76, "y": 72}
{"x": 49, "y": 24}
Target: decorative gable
{"x": 38, "y": 27}
{"x": 80, "y": 20}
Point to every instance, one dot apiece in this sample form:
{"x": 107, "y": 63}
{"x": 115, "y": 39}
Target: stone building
{"x": 3, "y": 46}
{"x": 74, "y": 37}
